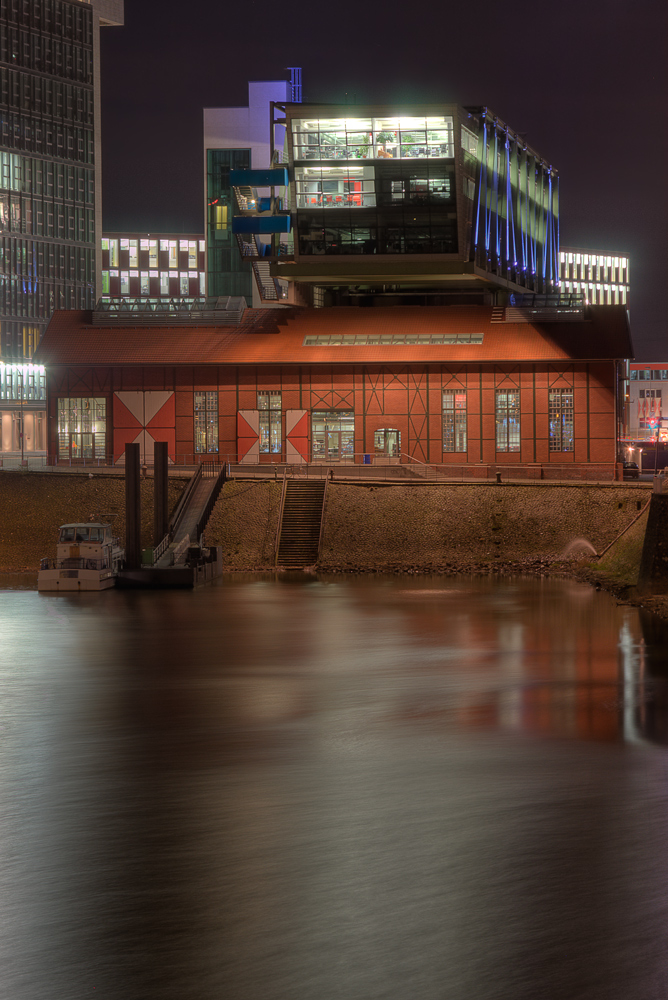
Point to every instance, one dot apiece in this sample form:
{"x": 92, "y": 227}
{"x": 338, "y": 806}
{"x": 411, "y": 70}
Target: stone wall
{"x": 245, "y": 523}
{"x": 34, "y": 504}
{"x": 432, "y": 525}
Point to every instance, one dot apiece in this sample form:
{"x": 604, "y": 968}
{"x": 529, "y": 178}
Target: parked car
{"x": 631, "y": 470}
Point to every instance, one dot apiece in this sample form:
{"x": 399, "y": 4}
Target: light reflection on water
{"x": 333, "y": 787}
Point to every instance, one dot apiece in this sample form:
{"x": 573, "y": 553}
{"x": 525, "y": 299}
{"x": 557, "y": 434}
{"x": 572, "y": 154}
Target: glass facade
{"x": 47, "y": 170}
{"x": 561, "y": 419}
{"x": 507, "y": 420}
{"x": 333, "y": 435}
{"x": 602, "y": 278}
{"x": 269, "y": 405}
{"x": 82, "y": 426}
{"x": 454, "y": 420}
{"x": 206, "y": 423}
{"x": 375, "y": 186}
{"x": 228, "y": 272}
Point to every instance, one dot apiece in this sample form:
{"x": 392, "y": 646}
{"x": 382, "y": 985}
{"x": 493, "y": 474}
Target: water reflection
{"x": 325, "y": 787}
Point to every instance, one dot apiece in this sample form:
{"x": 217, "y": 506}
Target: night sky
{"x": 586, "y": 81}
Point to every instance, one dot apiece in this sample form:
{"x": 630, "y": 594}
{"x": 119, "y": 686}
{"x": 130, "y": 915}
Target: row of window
{"x": 147, "y": 250}
{"x": 45, "y": 96}
{"x": 359, "y": 339}
{"x": 649, "y": 393}
{"x": 39, "y": 217}
{"x": 372, "y": 138}
{"x": 358, "y": 187}
{"x": 649, "y": 374}
{"x": 63, "y": 181}
{"x": 22, "y": 382}
{"x": 52, "y": 16}
{"x": 153, "y": 283}
{"x": 31, "y": 134}
{"x": 598, "y": 294}
{"x": 407, "y": 238}
{"x": 46, "y": 53}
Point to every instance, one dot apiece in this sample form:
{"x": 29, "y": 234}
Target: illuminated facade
{"x": 158, "y": 266}
{"x": 22, "y": 410}
{"x": 50, "y": 203}
{"x": 440, "y": 202}
{"x": 602, "y": 278}
{"x": 648, "y": 386}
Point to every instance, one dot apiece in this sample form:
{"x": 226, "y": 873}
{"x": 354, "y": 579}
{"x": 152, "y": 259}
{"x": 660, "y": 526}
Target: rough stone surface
{"x": 441, "y": 525}
{"x": 34, "y": 504}
{"x": 245, "y": 523}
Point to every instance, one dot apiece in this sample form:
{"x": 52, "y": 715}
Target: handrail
{"x": 160, "y": 549}
{"x": 322, "y": 516}
{"x": 213, "y": 496}
{"x": 279, "y": 529}
{"x": 183, "y": 502}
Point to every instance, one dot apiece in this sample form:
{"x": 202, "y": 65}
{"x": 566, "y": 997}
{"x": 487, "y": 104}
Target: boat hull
{"x": 75, "y": 580}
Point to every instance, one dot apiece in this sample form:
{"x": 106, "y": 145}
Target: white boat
{"x": 88, "y": 557}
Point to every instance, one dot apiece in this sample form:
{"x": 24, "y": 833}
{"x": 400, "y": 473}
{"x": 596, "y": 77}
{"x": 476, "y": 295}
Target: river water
{"x": 326, "y": 788}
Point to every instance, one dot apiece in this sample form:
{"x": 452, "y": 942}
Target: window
{"x": 192, "y": 254}
{"x": 362, "y": 339}
{"x": 133, "y": 254}
{"x": 164, "y": 282}
{"x": 202, "y": 283}
{"x": 82, "y": 425}
{"x": 153, "y": 254}
{"x": 387, "y": 443}
{"x": 333, "y": 435}
{"x": 454, "y": 420}
{"x": 113, "y": 253}
{"x": 507, "y": 420}
{"x": 105, "y": 282}
{"x": 173, "y": 254}
{"x": 125, "y": 283}
{"x": 145, "y": 288}
{"x": 206, "y": 422}
{"x": 269, "y": 405}
{"x": 377, "y": 138}
{"x": 560, "y": 418}
{"x": 184, "y": 282}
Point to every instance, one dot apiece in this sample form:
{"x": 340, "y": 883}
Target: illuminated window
{"x": 125, "y": 283}
{"x": 164, "y": 282}
{"x": 105, "y": 282}
{"x": 153, "y": 253}
{"x": 164, "y": 245}
{"x": 454, "y": 420}
{"x": 184, "y": 283}
{"x": 173, "y": 254}
{"x": 192, "y": 255}
{"x": 269, "y": 405}
{"x": 183, "y": 246}
{"x": 202, "y": 283}
{"x": 134, "y": 253}
{"x": 113, "y": 253}
{"x": 206, "y": 422}
{"x": 507, "y": 420}
{"x": 560, "y": 418}
{"x": 82, "y": 425}
{"x": 144, "y": 284}
{"x": 202, "y": 246}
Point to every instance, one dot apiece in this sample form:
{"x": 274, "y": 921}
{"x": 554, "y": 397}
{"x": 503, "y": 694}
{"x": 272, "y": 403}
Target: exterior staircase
{"x": 301, "y": 520}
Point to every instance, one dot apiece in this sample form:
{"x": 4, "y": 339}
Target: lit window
{"x": 125, "y": 244}
{"x": 164, "y": 244}
{"x": 164, "y": 282}
{"x": 153, "y": 253}
{"x": 173, "y": 254}
{"x": 454, "y": 420}
{"x": 82, "y": 424}
{"x": 105, "y": 243}
{"x": 143, "y": 244}
{"x": 145, "y": 286}
{"x": 125, "y": 283}
{"x": 184, "y": 283}
{"x": 202, "y": 283}
{"x": 183, "y": 245}
{"x": 105, "y": 282}
{"x": 192, "y": 254}
{"x": 113, "y": 253}
{"x": 560, "y": 418}
{"x": 134, "y": 254}
{"x": 269, "y": 405}
{"x": 206, "y": 422}
{"x": 507, "y": 420}
{"x": 202, "y": 246}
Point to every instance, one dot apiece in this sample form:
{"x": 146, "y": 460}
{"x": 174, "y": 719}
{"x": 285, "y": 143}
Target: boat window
{"x": 67, "y": 535}
{"x": 96, "y": 534}
{"x": 83, "y": 534}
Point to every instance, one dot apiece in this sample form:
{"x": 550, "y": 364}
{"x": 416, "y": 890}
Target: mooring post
{"x": 160, "y": 487}
{"x": 132, "y": 508}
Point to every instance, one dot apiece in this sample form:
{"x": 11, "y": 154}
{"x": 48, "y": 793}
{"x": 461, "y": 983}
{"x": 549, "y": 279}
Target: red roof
{"x": 273, "y": 336}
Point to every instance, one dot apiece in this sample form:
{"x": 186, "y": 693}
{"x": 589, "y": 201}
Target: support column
{"x": 160, "y": 487}
{"x": 132, "y": 508}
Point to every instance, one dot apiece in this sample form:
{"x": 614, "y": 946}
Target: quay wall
{"x": 449, "y": 525}
{"x": 34, "y": 504}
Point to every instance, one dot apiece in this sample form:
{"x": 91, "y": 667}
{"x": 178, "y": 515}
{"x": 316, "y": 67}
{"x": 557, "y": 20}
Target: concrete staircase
{"x": 300, "y": 524}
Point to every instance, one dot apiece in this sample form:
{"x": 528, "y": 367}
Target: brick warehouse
{"x": 470, "y": 388}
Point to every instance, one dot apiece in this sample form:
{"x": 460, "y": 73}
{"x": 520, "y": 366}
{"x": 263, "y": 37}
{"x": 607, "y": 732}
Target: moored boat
{"x": 88, "y": 557}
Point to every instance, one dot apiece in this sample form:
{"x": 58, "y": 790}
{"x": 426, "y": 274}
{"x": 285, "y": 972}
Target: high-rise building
{"x": 237, "y": 139}
{"x": 50, "y": 192}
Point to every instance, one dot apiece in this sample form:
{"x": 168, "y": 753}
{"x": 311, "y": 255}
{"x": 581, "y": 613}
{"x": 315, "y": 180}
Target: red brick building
{"x": 470, "y": 388}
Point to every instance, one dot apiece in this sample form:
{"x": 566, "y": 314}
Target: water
{"x": 333, "y": 789}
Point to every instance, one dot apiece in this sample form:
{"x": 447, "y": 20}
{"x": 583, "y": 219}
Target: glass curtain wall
{"x": 228, "y": 272}
{"x": 82, "y": 425}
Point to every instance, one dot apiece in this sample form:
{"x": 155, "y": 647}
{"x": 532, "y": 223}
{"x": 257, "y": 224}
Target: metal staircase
{"x": 301, "y": 522}
{"x": 250, "y": 248}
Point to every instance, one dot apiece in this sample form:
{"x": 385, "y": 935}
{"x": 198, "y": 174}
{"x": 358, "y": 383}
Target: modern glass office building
{"x": 388, "y": 203}
{"x": 49, "y": 155}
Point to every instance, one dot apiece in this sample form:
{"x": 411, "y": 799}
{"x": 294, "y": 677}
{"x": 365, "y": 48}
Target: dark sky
{"x": 586, "y": 81}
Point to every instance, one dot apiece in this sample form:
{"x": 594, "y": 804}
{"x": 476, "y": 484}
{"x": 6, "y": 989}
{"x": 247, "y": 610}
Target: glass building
{"x": 428, "y": 204}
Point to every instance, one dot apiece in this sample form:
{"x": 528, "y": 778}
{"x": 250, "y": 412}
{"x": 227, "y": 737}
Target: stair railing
{"x": 279, "y": 530}
{"x": 177, "y": 516}
{"x": 322, "y": 517}
{"x": 213, "y": 496}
